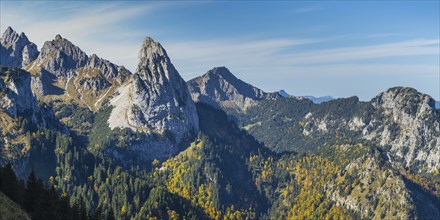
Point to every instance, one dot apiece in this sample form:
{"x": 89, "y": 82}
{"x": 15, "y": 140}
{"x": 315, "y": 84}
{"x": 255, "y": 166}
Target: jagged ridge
{"x": 16, "y": 49}
{"x": 220, "y": 88}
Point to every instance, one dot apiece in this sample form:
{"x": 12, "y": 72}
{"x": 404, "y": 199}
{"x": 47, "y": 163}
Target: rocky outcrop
{"x": 399, "y": 119}
{"x": 16, "y": 95}
{"x": 60, "y": 57}
{"x": 161, "y": 93}
{"x": 16, "y": 49}
{"x": 21, "y": 115}
{"x": 63, "y": 70}
{"x": 221, "y": 89}
{"x": 155, "y": 100}
{"x": 374, "y": 184}
{"x": 107, "y": 69}
{"x": 411, "y": 126}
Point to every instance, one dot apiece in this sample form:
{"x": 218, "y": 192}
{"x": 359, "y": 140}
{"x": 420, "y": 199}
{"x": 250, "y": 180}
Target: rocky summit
{"x": 413, "y": 131}
{"x": 220, "y": 88}
{"x": 64, "y": 72}
{"x": 400, "y": 118}
{"x": 147, "y": 144}
{"x": 155, "y": 100}
{"x": 16, "y": 49}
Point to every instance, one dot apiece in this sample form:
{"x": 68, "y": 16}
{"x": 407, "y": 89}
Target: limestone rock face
{"x": 63, "y": 70}
{"x": 155, "y": 100}
{"x": 161, "y": 93}
{"x": 221, "y": 89}
{"x": 20, "y": 114}
{"x": 414, "y": 129}
{"x": 61, "y": 57}
{"x": 16, "y": 49}
{"x": 399, "y": 119}
{"x": 16, "y": 97}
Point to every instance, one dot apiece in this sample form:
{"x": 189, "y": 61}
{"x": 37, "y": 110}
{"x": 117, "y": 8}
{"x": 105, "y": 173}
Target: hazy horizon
{"x": 339, "y": 49}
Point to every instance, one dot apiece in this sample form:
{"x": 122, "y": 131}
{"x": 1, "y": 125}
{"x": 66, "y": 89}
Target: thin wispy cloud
{"x": 294, "y": 52}
{"x": 273, "y": 52}
{"x": 356, "y": 79}
{"x": 398, "y": 49}
{"x": 195, "y": 56}
{"x": 270, "y": 59}
{"x": 211, "y": 50}
{"x": 305, "y": 10}
{"x": 383, "y": 35}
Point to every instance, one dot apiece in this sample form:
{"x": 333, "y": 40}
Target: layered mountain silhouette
{"x": 148, "y": 144}
{"x": 220, "y": 88}
{"x": 314, "y": 99}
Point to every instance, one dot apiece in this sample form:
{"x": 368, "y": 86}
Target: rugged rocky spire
{"x": 156, "y": 100}
{"x": 17, "y": 50}
{"x": 61, "y": 57}
{"x": 160, "y": 84}
{"x": 86, "y": 80}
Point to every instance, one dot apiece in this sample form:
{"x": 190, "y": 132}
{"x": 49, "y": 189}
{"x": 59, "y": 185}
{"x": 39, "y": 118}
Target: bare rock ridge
{"x": 17, "y": 96}
{"x": 61, "y": 57}
{"x": 220, "y": 88}
{"x": 161, "y": 93}
{"x": 155, "y": 100}
{"x": 64, "y": 71}
{"x": 16, "y": 49}
{"x": 20, "y": 113}
{"x": 413, "y": 131}
{"x": 400, "y": 118}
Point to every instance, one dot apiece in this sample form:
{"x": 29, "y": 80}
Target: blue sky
{"x": 336, "y": 48}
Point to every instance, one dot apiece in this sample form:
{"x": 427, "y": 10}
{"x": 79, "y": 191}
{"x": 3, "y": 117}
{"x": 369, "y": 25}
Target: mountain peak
{"x": 19, "y": 51}
{"x": 404, "y": 99}
{"x": 222, "y": 72}
{"x": 156, "y": 100}
{"x": 10, "y": 37}
{"x": 220, "y": 88}
{"x": 401, "y": 92}
{"x": 283, "y": 93}
{"x": 58, "y": 37}
{"x": 148, "y": 40}
{"x": 151, "y": 52}
{"x": 149, "y": 45}
{"x": 160, "y": 91}
{"x": 23, "y": 35}
{"x": 60, "y": 55}
{"x": 402, "y": 89}
{"x": 9, "y": 31}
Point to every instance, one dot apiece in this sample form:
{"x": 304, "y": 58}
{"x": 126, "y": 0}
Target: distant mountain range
{"x": 283, "y": 93}
{"x": 150, "y": 145}
{"x": 316, "y": 100}
{"x": 319, "y": 100}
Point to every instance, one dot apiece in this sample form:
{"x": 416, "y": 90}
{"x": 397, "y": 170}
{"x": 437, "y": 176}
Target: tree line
{"x": 43, "y": 201}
